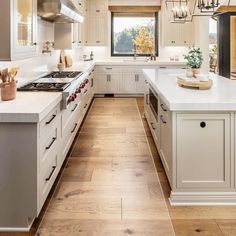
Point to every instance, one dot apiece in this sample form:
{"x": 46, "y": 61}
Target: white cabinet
{"x": 97, "y": 21}
{"x": 176, "y": 34}
{"x": 107, "y": 83}
{"x": 18, "y": 37}
{"x": 132, "y": 82}
{"x": 203, "y": 150}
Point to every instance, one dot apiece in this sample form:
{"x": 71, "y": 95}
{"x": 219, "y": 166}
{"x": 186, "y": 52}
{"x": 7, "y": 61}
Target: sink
{"x": 137, "y": 60}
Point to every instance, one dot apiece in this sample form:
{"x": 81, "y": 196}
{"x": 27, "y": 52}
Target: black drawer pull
{"x": 163, "y": 107}
{"x": 53, "y": 117}
{"x": 74, "y": 128}
{"x": 162, "y": 120}
{"x": 85, "y": 105}
{"x": 49, "y": 146}
{"x": 97, "y": 10}
{"x": 153, "y": 127}
{"x": 85, "y": 91}
{"x": 203, "y": 124}
{"x": 108, "y": 68}
{"x": 90, "y": 73}
{"x": 162, "y": 67}
{"x": 49, "y": 177}
{"x": 76, "y": 105}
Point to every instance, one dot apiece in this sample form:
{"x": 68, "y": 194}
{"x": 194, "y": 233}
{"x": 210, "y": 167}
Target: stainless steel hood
{"x": 59, "y": 11}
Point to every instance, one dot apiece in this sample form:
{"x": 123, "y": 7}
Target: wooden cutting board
{"x": 69, "y": 61}
{"x": 195, "y": 83}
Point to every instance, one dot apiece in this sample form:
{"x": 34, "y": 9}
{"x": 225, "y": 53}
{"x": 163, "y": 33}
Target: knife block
{"x": 8, "y": 90}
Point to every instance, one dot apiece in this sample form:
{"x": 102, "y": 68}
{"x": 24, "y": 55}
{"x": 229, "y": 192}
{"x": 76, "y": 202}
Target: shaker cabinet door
{"x": 203, "y": 150}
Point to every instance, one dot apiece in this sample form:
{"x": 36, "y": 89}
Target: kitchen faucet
{"x": 135, "y": 52}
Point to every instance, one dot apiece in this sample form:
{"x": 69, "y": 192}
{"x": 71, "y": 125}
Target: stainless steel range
{"x": 67, "y": 82}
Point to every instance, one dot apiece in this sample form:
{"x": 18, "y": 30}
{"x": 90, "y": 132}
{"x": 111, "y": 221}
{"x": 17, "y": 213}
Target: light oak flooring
{"x": 109, "y": 186}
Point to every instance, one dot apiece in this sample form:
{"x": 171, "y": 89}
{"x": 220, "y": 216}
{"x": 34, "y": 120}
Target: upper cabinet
{"x": 96, "y": 21}
{"x": 18, "y": 32}
{"x": 176, "y": 34}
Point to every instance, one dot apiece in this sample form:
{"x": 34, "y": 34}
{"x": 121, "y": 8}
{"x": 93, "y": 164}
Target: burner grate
{"x": 54, "y": 87}
{"x": 63, "y": 74}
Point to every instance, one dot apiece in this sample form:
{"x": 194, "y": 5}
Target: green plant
{"x": 194, "y": 58}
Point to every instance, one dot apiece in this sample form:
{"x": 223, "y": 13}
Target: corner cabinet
{"x": 18, "y": 32}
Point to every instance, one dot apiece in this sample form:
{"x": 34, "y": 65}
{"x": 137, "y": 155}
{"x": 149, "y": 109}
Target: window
{"x": 134, "y": 31}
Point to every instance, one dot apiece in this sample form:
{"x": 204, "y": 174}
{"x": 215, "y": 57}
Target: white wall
{"x": 42, "y": 62}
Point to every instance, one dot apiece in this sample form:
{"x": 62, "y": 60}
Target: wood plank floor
{"x": 109, "y": 185}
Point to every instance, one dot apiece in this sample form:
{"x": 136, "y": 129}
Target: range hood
{"x": 59, "y": 11}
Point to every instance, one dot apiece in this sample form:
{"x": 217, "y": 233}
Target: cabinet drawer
{"x": 49, "y": 121}
{"x": 47, "y": 178}
{"x": 69, "y": 113}
{"x": 107, "y": 69}
{"x": 49, "y": 145}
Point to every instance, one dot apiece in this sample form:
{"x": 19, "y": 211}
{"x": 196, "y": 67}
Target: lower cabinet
{"x": 132, "y": 82}
{"x": 203, "y": 150}
{"x": 107, "y": 83}
{"x": 197, "y": 153}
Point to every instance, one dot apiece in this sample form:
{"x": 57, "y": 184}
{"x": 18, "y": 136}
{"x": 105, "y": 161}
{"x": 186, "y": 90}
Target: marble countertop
{"x": 221, "y": 97}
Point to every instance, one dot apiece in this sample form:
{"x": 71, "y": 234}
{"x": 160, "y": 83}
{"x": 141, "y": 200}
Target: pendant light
{"x": 206, "y": 6}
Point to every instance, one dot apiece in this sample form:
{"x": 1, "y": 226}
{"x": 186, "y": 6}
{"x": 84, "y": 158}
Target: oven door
{"x": 153, "y": 102}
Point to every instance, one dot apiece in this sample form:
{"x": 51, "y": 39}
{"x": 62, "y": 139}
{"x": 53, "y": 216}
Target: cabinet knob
{"x": 34, "y": 44}
{"x": 203, "y": 124}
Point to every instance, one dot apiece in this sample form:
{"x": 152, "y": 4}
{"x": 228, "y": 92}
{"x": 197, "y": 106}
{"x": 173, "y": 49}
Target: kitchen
{"x": 99, "y": 133}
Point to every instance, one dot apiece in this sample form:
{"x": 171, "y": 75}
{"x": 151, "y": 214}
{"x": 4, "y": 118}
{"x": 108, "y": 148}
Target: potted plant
{"x": 194, "y": 59}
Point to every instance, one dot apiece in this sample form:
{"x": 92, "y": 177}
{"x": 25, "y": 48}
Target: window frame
{"x": 132, "y": 54}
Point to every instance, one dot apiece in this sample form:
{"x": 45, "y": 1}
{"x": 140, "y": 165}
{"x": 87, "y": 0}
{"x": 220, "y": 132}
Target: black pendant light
{"x": 207, "y": 6}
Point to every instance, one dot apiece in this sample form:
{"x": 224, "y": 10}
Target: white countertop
{"x": 138, "y": 62}
{"x": 34, "y": 106}
{"x": 221, "y": 97}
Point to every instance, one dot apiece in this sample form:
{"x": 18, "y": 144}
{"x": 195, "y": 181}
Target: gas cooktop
{"x": 63, "y": 74}
{"x": 55, "y": 81}
{"x": 54, "y": 87}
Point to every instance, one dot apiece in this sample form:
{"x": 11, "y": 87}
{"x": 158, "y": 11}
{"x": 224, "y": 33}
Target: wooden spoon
{"x": 4, "y": 75}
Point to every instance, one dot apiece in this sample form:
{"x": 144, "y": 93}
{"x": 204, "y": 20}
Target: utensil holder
{"x": 8, "y": 90}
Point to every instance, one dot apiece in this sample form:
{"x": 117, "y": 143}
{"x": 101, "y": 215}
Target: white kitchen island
{"x": 194, "y": 131}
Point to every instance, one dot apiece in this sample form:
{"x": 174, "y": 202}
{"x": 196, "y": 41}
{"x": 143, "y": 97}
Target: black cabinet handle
{"x": 49, "y": 177}
{"x": 85, "y": 105}
{"x": 49, "y": 146}
{"x": 72, "y": 131}
{"x": 34, "y": 44}
{"x": 97, "y": 10}
{"x": 53, "y": 117}
{"x": 163, "y": 107}
{"x": 162, "y": 67}
{"x": 203, "y": 124}
{"x": 74, "y": 108}
{"x": 162, "y": 120}
{"x": 85, "y": 91}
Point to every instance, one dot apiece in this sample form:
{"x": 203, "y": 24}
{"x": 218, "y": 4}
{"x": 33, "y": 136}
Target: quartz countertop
{"x": 220, "y": 97}
{"x": 34, "y": 106}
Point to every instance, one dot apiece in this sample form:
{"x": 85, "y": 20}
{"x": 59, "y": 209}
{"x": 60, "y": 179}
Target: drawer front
{"x": 69, "y": 113}
{"x": 49, "y": 145}
{"x": 47, "y": 178}
{"x": 49, "y": 121}
{"x": 68, "y": 136}
{"x": 107, "y": 69}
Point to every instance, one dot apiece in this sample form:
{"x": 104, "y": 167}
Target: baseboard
{"x": 202, "y": 198}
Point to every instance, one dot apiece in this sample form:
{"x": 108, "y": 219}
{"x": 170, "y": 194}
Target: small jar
{"x": 8, "y": 90}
